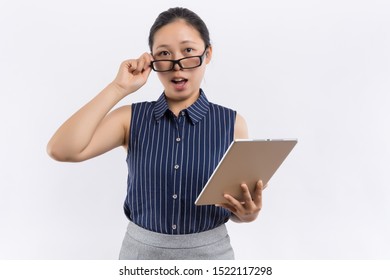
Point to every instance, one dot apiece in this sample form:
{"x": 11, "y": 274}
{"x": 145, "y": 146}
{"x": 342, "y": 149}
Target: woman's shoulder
{"x": 143, "y": 104}
{"x": 122, "y": 114}
{"x": 215, "y": 106}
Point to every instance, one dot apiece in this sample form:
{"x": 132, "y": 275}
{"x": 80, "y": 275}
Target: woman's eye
{"x": 189, "y": 50}
{"x": 163, "y": 53}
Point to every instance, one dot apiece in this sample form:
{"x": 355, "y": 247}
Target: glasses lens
{"x": 190, "y": 62}
{"x": 162, "y": 65}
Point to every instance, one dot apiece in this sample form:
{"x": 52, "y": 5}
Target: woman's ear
{"x": 209, "y": 54}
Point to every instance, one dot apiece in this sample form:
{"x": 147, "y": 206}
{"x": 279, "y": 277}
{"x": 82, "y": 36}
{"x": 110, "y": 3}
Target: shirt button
{"x": 174, "y": 196}
{"x": 173, "y": 226}
{"x": 178, "y": 139}
{"x": 176, "y": 166}
{"x": 183, "y": 113}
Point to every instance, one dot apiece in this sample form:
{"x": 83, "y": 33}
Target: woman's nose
{"x": 176, "y": 67}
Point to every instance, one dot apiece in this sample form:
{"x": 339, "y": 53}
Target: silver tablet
{"x": 245, "y": 161}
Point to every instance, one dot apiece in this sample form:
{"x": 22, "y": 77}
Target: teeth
{"x": 178, "y": 80}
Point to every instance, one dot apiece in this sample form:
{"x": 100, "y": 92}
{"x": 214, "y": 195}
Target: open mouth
{"x": 179, "y": 81}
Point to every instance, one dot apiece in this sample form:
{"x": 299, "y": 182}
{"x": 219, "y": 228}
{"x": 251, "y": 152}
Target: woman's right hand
{"x": 133, "y": 74}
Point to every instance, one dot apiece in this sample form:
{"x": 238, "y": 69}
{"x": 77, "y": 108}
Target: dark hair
{"x": 174, "y": 14}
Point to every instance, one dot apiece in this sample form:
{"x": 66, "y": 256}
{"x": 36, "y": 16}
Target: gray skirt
{"x": 142, "y": 244}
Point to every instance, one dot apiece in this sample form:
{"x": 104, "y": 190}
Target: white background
{"x": 318, "y": 71}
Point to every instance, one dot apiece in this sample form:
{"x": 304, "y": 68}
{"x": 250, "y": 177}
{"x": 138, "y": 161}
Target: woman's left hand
{"x": 248, "y": 209}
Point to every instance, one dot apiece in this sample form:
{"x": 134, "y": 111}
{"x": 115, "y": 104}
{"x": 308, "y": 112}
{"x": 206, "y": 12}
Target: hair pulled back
{"x": 178, "y": 13}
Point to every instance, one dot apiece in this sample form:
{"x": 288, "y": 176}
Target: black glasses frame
{"x": 177, "y": 61}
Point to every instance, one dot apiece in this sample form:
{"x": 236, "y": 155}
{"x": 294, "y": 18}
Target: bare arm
{"x": 92, "y": 130}
{"x": 240, "y": 128}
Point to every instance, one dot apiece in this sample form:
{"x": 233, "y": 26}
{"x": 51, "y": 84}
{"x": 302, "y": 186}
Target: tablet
{"x": 245, "y": 161}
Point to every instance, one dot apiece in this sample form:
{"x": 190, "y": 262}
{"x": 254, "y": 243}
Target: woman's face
{"x": 177, "y": 40}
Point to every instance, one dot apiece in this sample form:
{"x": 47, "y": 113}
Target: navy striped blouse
{"x": 170, "y": 160}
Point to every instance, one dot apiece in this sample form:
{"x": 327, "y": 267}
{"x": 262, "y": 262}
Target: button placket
{"x": 177, "y": 166}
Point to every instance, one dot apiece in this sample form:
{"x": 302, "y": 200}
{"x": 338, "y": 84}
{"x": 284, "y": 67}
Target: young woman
{"x": 173, "y": 145}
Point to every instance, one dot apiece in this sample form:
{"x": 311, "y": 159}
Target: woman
{"x": 173, "y": 145}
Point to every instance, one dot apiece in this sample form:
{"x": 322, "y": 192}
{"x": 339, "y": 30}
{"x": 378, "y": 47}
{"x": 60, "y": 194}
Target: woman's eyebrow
{"x": 162, "y": 46}
{"x": 181, "y": 43}
{"x": 187, "y": 41}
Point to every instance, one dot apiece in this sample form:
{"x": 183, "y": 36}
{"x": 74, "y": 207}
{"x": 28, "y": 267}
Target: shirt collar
{"x": 195, "y": 112}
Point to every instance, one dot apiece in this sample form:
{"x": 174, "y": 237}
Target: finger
{"x": 139, "y": 67}
{"x": 143, "y": 63}
{"x": 146, "y": 72}
{"x": 257, "y": 199}
{"x": 233, "y": 202}
{"x": 148, "y": 58}
{"x": 131, "y": 65}
{"x": 144, "y": 67}
{"x": 246, "y": 193}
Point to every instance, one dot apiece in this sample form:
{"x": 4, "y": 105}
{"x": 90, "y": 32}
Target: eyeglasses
{"x": 189, "y": 62}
